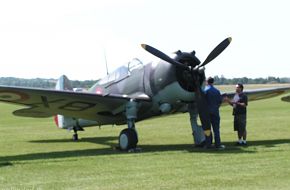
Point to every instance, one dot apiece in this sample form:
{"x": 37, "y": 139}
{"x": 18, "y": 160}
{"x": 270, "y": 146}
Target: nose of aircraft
{"x": 192, "y": 69}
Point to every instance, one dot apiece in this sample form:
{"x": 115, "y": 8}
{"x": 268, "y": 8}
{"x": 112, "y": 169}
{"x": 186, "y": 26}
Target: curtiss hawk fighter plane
{"x": 129, "y": 94}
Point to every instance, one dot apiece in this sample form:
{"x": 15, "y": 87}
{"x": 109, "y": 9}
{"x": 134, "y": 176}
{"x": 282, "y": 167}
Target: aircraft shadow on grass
{"x": 110, "y": 150}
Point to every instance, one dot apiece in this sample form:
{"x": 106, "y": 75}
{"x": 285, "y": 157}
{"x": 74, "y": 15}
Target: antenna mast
{"x": 106, "y": 61}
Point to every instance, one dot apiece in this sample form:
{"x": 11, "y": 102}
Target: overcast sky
{"x": 49, "y": 38}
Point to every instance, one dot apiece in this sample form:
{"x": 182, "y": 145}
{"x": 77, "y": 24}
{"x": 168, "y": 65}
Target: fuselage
{"x": 159, "y": 81}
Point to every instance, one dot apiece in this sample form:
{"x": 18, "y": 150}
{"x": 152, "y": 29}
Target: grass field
{"x": 34, "y": 154}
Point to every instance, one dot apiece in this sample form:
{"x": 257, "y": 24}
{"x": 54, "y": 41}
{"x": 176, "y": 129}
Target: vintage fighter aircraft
{"x": 131, "y": 93}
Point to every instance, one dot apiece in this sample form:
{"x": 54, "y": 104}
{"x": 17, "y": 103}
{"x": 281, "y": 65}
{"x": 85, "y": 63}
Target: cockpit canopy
{"x": 122, "y": 72}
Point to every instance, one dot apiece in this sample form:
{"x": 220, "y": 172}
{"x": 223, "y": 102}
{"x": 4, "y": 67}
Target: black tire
{"x": 128, "y": 139}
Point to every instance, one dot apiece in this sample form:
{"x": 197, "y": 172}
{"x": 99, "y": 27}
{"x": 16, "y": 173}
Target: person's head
{"x": 239, "y": 87}
{"x": 210, "y": 81}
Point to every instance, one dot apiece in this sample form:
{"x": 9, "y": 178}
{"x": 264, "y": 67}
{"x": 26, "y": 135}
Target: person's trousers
{"x": 215, "y": 123}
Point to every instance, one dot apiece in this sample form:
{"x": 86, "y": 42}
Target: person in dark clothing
{"x": 240, "y": 103}
{"x": 214, "y": 100}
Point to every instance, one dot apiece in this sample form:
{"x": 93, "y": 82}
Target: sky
{"x": 46, "y": 39}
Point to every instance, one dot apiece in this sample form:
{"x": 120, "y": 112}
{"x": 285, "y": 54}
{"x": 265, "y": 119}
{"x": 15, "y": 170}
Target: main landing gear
{"x": 128, "y": 137}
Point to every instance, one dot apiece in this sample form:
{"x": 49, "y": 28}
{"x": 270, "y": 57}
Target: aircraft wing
{"x": 46, "y": 103}
{"x": 259, "y": 94}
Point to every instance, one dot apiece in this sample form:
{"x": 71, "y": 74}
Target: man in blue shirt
{"x": 214, "y": 100}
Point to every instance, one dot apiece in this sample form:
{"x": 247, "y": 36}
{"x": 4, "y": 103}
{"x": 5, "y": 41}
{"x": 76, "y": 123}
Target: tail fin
{"x": 63, "y": 83}
{"x": 61, "y": 121}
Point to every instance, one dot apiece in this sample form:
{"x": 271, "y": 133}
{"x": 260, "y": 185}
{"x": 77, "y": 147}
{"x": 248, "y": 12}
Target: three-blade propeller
{"x": 201, "y": 102}
{"x": 213, "y": 54}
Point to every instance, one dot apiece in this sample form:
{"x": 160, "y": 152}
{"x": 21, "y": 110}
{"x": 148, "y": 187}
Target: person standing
{"x": 214, "y": 100}
{"x": 240, "y": 103}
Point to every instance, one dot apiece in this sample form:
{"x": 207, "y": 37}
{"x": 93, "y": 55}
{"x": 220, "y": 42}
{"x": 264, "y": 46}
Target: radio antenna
{"x": 106, "y": 61}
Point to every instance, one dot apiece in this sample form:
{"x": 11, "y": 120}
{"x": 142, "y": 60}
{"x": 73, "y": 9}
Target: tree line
{"x": 42, "y": 83}
{"x": 50, "y": 83}
{"x": 244, "y": 80}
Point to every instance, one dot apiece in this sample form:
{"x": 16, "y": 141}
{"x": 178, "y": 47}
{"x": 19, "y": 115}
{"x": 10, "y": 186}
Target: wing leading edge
{"x": 259, "y": 94}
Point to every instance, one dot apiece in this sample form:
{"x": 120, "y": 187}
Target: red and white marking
{"x": 13, "y": 96}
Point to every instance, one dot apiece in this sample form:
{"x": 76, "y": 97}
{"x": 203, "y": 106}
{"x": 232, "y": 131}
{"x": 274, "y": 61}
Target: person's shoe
{"x": 239, "y": 143}
{"x": 244, "y": 143}
{"x": 220, "y": 147}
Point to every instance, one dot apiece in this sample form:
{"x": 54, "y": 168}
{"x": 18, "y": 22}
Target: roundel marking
{"x": 13, "y": 96}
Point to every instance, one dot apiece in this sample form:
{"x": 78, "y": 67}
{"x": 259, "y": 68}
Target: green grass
{"x": 34, "y": 154}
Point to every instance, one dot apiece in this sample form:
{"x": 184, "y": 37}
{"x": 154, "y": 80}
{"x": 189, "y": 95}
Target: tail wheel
{"x": 128, "y": 139}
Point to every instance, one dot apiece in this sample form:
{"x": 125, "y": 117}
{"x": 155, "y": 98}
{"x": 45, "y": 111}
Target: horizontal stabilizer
{"x": 31, "y": 112}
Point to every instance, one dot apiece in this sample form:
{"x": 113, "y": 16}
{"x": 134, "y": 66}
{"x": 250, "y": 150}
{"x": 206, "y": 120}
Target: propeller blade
{"x": 202, "y": 106}
{"x": 216, "y": 51}
{"x": 203, "y": 109}
{"x": 203, "y": 112}
{"x": 162, "y": 56}
{"x": 204, "y": 116}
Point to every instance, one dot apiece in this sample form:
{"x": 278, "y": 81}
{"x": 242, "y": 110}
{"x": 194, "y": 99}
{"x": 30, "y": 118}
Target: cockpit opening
{"x": 122, "y": 72}
{"x": 134, "y": 64}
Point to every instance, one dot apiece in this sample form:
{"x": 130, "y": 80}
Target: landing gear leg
{"x": 128, "y": 138}
{"x": 76, "y": 128}
{"x": 197, "y": 131}
{"x": 75, "y": 136}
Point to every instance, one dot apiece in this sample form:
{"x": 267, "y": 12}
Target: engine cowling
{"x": 185, "y": 77}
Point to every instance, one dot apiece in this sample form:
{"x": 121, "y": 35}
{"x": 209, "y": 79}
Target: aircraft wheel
{"x": 128, "y": 139}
